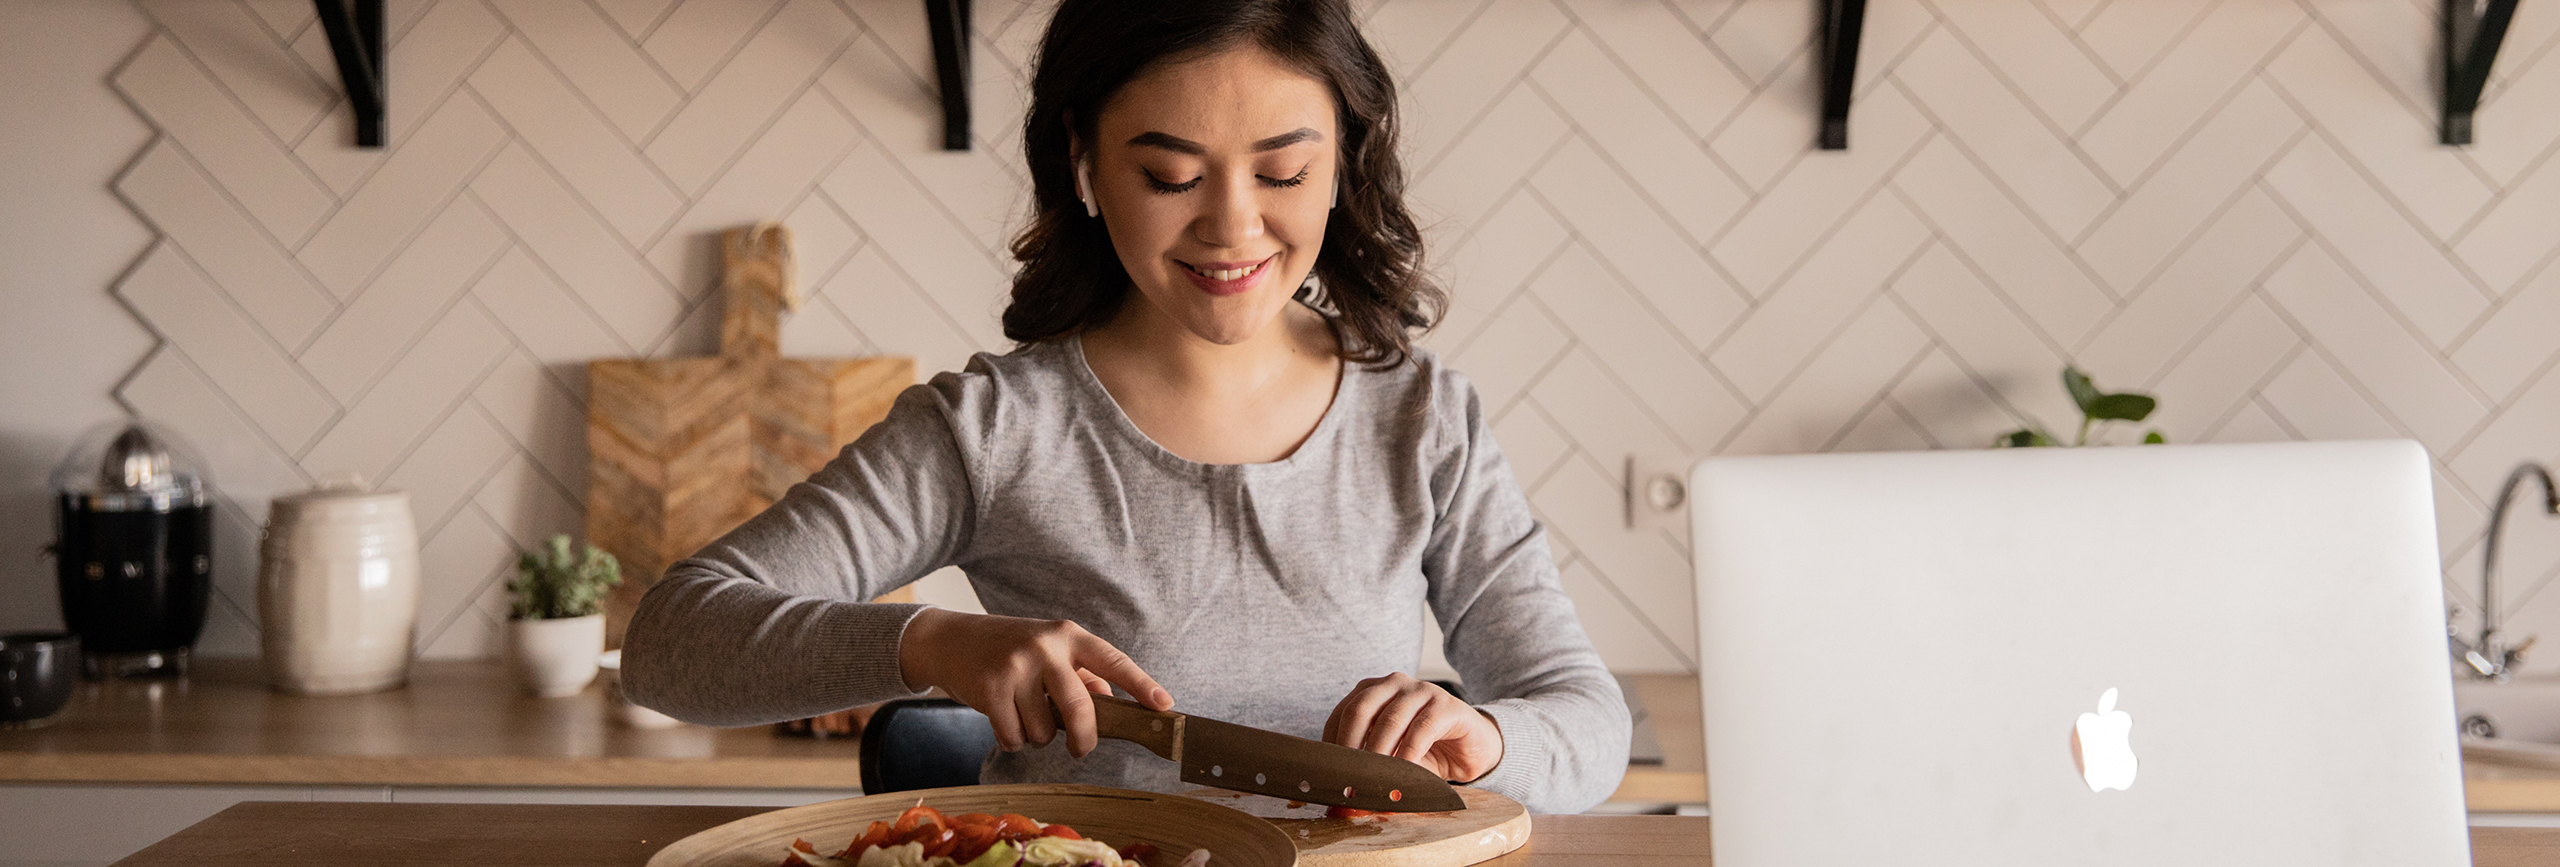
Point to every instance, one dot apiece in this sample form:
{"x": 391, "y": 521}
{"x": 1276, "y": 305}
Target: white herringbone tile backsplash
{"x": 2236, "y": 204}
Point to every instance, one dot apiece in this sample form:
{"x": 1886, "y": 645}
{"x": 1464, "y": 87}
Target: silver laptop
{"x": 2156, "y": 655}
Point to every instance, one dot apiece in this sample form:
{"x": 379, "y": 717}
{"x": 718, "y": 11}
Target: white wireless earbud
{"x": 1336, "y": 201}
{"x": 1084, "y": 188}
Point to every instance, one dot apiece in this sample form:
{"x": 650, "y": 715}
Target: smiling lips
{"x": 1227, "y": 278}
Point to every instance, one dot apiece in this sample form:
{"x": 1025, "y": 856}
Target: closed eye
{"x": 1162, "y": 186}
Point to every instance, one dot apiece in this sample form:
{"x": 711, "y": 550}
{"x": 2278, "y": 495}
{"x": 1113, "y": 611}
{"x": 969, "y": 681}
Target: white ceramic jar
{"x": 338, "y": 589}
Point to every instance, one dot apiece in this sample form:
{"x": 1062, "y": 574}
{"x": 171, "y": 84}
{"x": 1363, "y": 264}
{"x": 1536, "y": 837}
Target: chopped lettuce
{"x": 901, "y": 855}
{"x": 1002, "y": 854}
{"x": 1035, "y": 852}
{"x": 1062, "y": 852}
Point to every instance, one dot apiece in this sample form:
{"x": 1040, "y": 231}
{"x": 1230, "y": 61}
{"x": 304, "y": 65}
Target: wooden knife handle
{"x": 1159, "y": 731}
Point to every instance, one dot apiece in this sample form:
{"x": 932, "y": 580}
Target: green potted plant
{"x": 2097, "y": 408}
{"x": 555, "y": 629}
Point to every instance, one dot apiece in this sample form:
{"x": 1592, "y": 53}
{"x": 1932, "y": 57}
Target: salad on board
{"x": 924, "y": 837}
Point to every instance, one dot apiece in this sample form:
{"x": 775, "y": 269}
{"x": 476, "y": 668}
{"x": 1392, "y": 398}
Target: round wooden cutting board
{"x": 1490, "y": 827}
{"x": 1119, "y": 817}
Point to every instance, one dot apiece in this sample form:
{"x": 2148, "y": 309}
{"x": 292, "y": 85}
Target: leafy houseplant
{"x": 2096, "y": 409}
{"x": 556, "y": 626}
{"x": 552, "y": 584}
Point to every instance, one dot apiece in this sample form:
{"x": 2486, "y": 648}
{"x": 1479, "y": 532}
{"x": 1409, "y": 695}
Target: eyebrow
{"x": 1187, "y": 146}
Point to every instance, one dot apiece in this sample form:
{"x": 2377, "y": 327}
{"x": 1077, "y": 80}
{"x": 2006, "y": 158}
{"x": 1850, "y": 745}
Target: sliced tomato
{"x": 988, "y": 819}
{"x": 918, "y": 815}
{"x": 1347, "y": 812}
{"x": 877, "y": 834}
{"x": 1061, "y": 831}
{"x": 937, "y": 840}
{"x": 1017, "y": 827}
{"x": 973, "y": 841}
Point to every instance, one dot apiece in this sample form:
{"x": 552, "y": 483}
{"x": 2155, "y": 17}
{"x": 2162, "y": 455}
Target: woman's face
{"x": 1215, "y": 176}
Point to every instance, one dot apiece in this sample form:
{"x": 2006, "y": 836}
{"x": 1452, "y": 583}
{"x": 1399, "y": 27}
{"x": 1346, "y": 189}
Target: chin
{"x": 1230, "y": 321}
{"x": 1230, "y": 330}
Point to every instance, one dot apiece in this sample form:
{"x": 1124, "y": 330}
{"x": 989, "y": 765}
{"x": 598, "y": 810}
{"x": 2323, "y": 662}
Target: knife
{"x": 1225, "y": 755}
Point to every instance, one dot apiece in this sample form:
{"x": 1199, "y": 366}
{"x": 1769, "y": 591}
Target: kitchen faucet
{"x": 2486, "y": 658}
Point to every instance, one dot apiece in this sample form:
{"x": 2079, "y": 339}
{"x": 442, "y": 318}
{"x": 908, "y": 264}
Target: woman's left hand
{"x": 1418, "y": 722}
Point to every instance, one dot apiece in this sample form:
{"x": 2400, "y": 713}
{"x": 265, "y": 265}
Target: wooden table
{"x": 287, "y": 834}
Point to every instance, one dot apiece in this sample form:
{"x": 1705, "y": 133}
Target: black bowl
{"x": 38, "y": 671}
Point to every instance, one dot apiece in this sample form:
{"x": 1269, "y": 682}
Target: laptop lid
{"x": 2245, "y": 645}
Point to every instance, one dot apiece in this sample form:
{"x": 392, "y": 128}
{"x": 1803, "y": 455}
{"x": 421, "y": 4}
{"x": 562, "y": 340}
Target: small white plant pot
{"x": 555, "y": 658}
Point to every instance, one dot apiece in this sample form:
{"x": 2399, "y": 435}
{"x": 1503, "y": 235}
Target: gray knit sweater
{"x": 1255, "y": 593}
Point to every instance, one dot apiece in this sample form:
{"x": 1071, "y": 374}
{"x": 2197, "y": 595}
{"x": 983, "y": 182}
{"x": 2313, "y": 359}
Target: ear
{"x": 1081, "y": 166}
{"x": 1341, "y": 169}
{"x": 1084, "y": 189}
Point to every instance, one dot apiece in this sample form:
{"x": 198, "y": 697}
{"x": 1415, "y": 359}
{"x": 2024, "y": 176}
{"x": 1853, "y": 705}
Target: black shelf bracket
{"x": 356, "y": 38}
{"x": 2473, "y": 30}
{"x": 1841, "y": 22}
{"x": 950, "y": 22}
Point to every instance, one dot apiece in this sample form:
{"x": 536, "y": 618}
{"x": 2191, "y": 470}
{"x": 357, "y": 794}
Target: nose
{"x": 1233, "y": 215}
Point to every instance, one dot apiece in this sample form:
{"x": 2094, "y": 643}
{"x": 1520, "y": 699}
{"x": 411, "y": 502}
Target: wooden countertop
{"x": 1671, "y": 702}
{"x": 287, "y": 834}
{"x": 464, "y": 724}
{"x": 455, "y": 724}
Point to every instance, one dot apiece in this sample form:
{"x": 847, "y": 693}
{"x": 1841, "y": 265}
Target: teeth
{"x": 1227, "y": 273}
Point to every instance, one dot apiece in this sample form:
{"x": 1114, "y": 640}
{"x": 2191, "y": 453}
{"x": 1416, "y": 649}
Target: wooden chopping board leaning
{"x": 684, "y": 449}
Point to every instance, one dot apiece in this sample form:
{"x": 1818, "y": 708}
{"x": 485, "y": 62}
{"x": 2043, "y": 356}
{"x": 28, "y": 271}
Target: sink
{"x": 2524, "y": 713}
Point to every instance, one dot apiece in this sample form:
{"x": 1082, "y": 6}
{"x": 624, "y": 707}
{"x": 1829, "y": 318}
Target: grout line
{"x": 2062, "y": 246}
{"x": 595, "y": 214}
{"x": 2204, "y": 226}
{"x": 1883, "y": 399}
{"x": 2374, "y": 293}
{"x": 516, "y": 242}
{"x": 460, "y": 291}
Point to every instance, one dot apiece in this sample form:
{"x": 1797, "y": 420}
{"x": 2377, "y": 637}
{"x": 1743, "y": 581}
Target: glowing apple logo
{"x": 2102, "y": 746}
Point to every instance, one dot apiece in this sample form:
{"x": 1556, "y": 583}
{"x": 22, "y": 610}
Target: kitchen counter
{"x": 455, "y": 724}
{"x": 288, "y": 834}
{"x": 1671, "y": 701}
{"x": 464, "y": 724}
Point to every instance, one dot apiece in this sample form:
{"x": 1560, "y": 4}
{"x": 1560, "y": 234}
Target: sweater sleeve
{"x": 770, "y": 622}
{"x": 1510, "y": 629}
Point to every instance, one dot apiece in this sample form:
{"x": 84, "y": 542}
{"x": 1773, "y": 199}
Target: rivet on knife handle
{"x": 1159, "y": 731}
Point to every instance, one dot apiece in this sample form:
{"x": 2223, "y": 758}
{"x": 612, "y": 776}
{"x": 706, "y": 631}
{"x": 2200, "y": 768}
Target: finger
{"x": 1093, "y": 653}
{"x": 1333, "y": 722}
{"x": 1388, "y": 726}
{"x": 1093, "y": 682}
{"x": 1039, "y": 723}
{"x": 1360, "y": 710}
{"x": 1434, "y": 724}
{"x": 1074, "y": 708}
{"x": 1002, "y": 717}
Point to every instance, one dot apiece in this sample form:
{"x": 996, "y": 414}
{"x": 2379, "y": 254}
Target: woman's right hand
{"x": 1028, "y": 676}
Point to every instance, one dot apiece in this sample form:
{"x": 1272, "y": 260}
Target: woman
{"x": 1202, "y": 475}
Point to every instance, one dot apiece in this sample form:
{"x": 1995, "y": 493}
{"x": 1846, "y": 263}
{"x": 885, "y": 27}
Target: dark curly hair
{"x": 1368, "y": 278}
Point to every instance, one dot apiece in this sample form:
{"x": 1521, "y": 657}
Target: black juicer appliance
{"x": 133, "y": 550}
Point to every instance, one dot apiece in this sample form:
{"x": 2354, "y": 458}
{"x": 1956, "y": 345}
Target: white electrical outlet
{"x": 1657, "y": 492}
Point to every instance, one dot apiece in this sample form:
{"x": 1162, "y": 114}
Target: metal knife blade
{"x": 1229, "y": 756}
